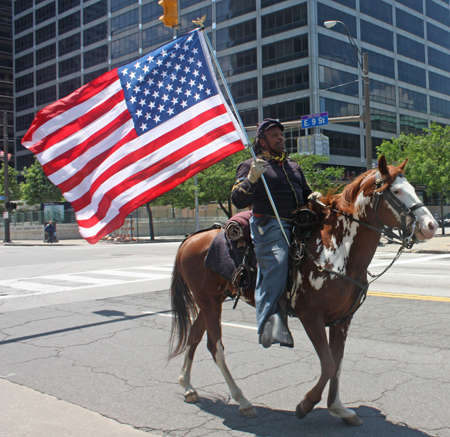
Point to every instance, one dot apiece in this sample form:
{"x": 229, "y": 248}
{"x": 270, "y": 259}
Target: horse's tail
{"x": 184, "y": 310}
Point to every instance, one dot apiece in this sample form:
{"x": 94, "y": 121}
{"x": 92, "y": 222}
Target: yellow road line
{"x": 409, "y": 296}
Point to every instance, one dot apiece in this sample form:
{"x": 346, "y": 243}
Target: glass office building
{"x": 279, "y": 59}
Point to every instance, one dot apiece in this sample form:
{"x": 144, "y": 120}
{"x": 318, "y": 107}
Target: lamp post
{"x": 365, "y": 70}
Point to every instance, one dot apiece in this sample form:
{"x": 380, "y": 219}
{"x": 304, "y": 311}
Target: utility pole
{"x": 6, "y": 238}
{"x": 367, "y": 120}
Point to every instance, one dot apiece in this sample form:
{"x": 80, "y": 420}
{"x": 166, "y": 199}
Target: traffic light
{"x": 11, "y": 205}
{"x": 170, "y": 16}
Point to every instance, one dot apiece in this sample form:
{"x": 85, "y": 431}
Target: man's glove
{"x": 256, "y": 170}
{"x": 314, "y": 198}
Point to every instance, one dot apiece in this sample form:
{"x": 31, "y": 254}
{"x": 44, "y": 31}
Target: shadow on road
{"x": 319, "y": 423}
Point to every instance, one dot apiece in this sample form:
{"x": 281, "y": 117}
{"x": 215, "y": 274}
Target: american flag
{"x": 2, "y": 154}
{"x": 134, "y": 133}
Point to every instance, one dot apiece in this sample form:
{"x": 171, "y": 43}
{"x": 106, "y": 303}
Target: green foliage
{"x": 37, "y": 187}
{"x": 320, "y": 178}
{"x": 14, "y": 186}
{"x": 429, "y": 157}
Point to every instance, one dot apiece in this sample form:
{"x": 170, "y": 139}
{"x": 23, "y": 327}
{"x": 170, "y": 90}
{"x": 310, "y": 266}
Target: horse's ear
{"x": 403, "y": 165}
{"x": 382, "y": 166}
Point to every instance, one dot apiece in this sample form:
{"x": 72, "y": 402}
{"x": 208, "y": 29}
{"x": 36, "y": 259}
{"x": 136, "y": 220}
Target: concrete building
{"x": 279, "y": 59}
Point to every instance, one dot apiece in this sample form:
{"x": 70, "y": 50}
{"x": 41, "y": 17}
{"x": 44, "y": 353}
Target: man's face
{"x": 273, "y": 141}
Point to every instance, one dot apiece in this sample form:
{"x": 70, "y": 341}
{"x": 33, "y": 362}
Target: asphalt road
{"x": 91, "y": 325}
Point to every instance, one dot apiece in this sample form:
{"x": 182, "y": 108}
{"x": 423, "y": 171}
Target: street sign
{"x": 314, "y": 120}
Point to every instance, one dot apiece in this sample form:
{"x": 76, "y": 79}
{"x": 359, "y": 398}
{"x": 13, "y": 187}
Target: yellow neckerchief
{"x": 280, "y": 159}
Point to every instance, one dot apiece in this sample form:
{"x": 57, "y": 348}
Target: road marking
{"x": 156, "y": 268}
{"x": 33, "y": 286}
{"x": 130, "y": 274}
{"x": 84, "y": 279}
{"x": 414, "y": 260}
{"x": 409, "y": 296}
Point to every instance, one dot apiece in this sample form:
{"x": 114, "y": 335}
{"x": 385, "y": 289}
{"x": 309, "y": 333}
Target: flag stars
{"x": 150, "y": 59}
{"x": 183, "y": 80}
{"x": 197, "y": 96}
{"x": 169, "y": 87}
{"x": 178, "y": 90}
{"x": 174, "y": 100}
{"x": 133, "y": 99}
{"x": 173, "y": 77}
{"x": 137, "y": 65}
{"x": 128, "y": 85}
{"x": 157, "y": 119}
{"x": 187, "y": 70}
{"x": 159, "y": 62}
{"x": 155, "y": 94}
{"x": 161, "y": 108}
{"x": 165, "y": 97}
{"x": 164, "y": 74}
{"x": 164, "y": 53}
{"x": 151, "y": 105}
{"x": 195, "y": 50}
{"x": 183, "y": 103}
{"x": 200, "y": 86}
{"x": 192, "y": 82}
{"x": 199, "y": 64}
{"x": 191, "y": 60}
{"x": 144, "y": 127}
{"x": 142, "y": 103}
{"x": 160, "y": 84}
{"x": 140, "y": 79}
{"x": 168, "y": 64}
{"x": 148, "y": 115}
{"x": 138, "y": 113}
{"x": 137, "y": 89}
{"x": 146, "y": 69}
{"x": 195, "y": 73}
{"x": 208, "y": 91}
{"x": 146, "y": 91}
{"x": 187, "y": 93}
{"x": 124, "y": 71}
{"x": 170, "y": 111}
{"x": 150, "y": 81}
{"x": 132, "y": 75}
{"x": 177, "y": 67}
{"x": 181, "y": 57}
{"x": 203, "y": 77}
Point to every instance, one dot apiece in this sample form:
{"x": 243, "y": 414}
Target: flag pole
{"x": 200, "y": 23}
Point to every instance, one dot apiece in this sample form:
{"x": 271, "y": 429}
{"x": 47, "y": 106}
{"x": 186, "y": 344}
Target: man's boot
{"x": 275, "y": 331}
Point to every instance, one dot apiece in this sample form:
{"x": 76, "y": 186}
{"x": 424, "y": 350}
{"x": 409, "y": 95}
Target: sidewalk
{"x": 82, "y": 242}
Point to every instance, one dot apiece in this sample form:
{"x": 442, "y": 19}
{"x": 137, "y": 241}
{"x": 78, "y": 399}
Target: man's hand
{"x": 314, "y": 198}
{"x": 256, "y": 170}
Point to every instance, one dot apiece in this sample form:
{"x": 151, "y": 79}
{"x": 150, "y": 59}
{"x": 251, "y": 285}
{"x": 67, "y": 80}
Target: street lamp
{"x": 365, "y": 69}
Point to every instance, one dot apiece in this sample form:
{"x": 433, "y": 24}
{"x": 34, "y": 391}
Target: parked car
{"x": 446, "y": 220}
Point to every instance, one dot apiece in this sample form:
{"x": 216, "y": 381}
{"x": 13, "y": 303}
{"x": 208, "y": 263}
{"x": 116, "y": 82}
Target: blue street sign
{"x": 314, "y": 120}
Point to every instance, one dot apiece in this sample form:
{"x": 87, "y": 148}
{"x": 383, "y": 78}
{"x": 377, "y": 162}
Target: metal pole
{"x": 367, "y": 119}
{"x": 7, "y": 238}
{"x": 197, "y": 221}
{"x": 202, "y": 27}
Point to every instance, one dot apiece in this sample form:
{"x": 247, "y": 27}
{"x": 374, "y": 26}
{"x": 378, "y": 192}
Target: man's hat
{"x": 267, "y": 123}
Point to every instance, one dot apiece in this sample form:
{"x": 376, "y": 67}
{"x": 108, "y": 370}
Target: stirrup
{"x": 275, "y": 331}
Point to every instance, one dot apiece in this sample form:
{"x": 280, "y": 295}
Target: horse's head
{"x": 399, "y": 207}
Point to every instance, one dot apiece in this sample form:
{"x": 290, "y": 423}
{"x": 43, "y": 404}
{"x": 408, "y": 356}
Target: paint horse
{"x": 345, "y": 241}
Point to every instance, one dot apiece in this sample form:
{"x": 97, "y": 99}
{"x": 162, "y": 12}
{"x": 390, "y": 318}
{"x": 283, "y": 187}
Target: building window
{"x": 286, "y": 81}
{"x": 25, "y": 82}
{"x": 68, "y": 23}
{"x": 439, "y": 59}
{"x": 125, "y": 22}
{"x": 411, "y": 74}
{"x": 94, "y": 74}
{"x": 94, "y": 12}
{"x": 409, "y": 22}
{"x": 413, "y": 4}
{"x": 186, "y": 19}
{"x": 381, "y": 64}
{"x": 379, "y": 10}
{"x": 46, "y": 74}
{"x": 412, "y": 100}
{"x": 326, "y": 13}
{"x": 25, "y": 161}
{"x": 410, "y": 48}
{"x": 25, "y": 102}
{"x": 235, "y": 35}
{"x": 439, "y": 107}
{"x": 412, "y": 125}
{"x": 338, "y": 108}
{"x": 116, "y": 5}
{"x": 23, "y": 23}
{"x": 249, "y": 117}
{"x": 123, "y": 46}
{"x": 438, "y": 12}
{"x": 382, "y": 92}
{"x": 69, "y": 66}
{"x": 156, "y": 35}
{"x": 439, "y": 83}
{"x": 384, "y": 121}
{"x": 46, "y": 95}
{"x": 46, "y": 54}
{"x": 343, "y": 144}
{"x": 227, "y": 9}
{"x": 69, "y": 44}
{"x": 285, "y": 50}
{"x": 65, "y": 5}
{"x": 238, "y": 63}
{"x": 24, "y": 63}
{"x": 22, "y": 5}
{"x": 284, "y": 20}
{"x": 286, "y": 111}
{"x": 24, "y": 43}
{"x": 150, "y": 11}
{"x": 45, "y": 33}
{"x": 335, "y": 50}
{"x": 438, "y": 35}
{"x": 24, "y": 121}
{"x": 65, "y": 88}
{"x": 95, "y": 56}
{"x": 44, "y": 13}
{"x": 338, "y": 81}
{"x": 245, "y": 90}
{"x": 376, "y": 35}
{"x": 97, "y": 33}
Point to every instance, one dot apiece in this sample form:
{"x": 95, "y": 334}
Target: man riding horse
{"x": 290, "y": 191}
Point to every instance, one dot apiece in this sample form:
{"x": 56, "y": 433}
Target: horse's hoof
{"x": 352, "y": 420}
{"x": 299, "y": 411}
{"x": 249, "y": 412}
{"x": 191, "y": 397}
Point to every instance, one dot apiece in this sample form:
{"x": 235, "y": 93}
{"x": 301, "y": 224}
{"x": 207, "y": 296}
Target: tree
{"x": 320, "y": 178}
{"x": 13, "y": 185}
{"x": 37, "y": 187}
{"x": 429, "y": 158}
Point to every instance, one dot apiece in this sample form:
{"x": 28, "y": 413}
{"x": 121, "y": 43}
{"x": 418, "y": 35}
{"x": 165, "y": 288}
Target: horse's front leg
{"x": 195, "y": 336}
{"x": 216, "y": 348}
{"x": 315, "y": 328}
{"x": 338, "y": 335}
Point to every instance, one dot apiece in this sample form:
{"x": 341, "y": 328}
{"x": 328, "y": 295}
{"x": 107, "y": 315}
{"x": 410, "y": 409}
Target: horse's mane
{"x": 365, "y": 182}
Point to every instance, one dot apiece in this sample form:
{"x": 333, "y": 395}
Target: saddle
{"x": 232, "y": 255}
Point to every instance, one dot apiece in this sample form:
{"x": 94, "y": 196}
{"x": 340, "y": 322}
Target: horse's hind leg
{"x": 195, "y": 336}
{"x": 338, "y": 335}
{"x": 315, "y": 328}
